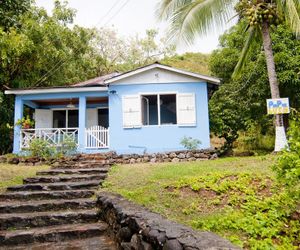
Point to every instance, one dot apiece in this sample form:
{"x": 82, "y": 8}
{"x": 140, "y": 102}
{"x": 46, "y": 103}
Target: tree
{"x": 239, "y": 104}
{"x": 11, "y": 11}
{"x": 192, "y": 17}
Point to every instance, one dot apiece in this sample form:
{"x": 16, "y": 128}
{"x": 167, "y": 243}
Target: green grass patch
{"x": 11, "y": 175}
{"x": 238, "y": 198}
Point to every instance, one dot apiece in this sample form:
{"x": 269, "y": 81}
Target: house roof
{"x": 102, "y": 82}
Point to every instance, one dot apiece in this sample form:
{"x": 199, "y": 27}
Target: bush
{"x": 190, "y": 143}
{"x": 41, "y": 148}
{"x": 288, "y": 164}
{"x": 68, "y": 146}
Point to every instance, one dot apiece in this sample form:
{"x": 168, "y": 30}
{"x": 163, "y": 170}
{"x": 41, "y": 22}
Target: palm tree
{"x": 189, "y": 18}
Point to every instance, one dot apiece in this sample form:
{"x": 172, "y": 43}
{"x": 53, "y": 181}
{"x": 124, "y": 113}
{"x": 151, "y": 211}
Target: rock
{"x": 126, "y": 246}
{"x": 13, "y": 160}
{"x": 124, "y": 234}
{"x": 153, "y": 160}
{"x": 132, "y": 161}
{"x": 192, "y": 159}
{"x": 181, "y": 156}
{"x": 214, "y": 156}
{"x": 189, "y": 154}
{"x": 136, "y": 243}
{"x": 172, "y": 245}
{"x": 173, "y": 155}
{"x": 175, "y": 160}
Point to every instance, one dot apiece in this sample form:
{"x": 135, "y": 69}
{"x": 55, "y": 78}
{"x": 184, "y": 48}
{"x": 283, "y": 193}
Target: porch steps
{"x": 55, "y": 210}
{"x": 43, "y": 195}
{"x": 64, "y": 178}
{"x": 101, "y": 170}
{"x": 45, "y": 205}
{"x": 56, "y": 186}
{"x": 41, "y": 219}
{"x": 52, "y": 234}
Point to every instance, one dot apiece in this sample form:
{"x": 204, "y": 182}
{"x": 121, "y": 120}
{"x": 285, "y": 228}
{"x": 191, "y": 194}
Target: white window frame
{"x": 67, "y": 114}
{"x": 158, "y": 94}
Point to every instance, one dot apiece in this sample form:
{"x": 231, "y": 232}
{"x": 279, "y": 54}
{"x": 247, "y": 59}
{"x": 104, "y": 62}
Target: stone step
{"x": 56, "y": 186}
{"x": 73, "y": 171}
{"x": 52, "y": 234}
{"x": 63, "y": 178}
{"x": 79, "y": 165}
{"x": 101, "y": 242}
{"x": 43, "y": 195}
{"x": 44, "y": 219}
{"x": 45, "y": 205}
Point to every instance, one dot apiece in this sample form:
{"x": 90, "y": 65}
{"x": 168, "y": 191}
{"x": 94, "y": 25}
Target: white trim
{"x": 53, "y": 90}
{"x": 158, "y": 94}
{"x": 67, "y": 114}
{"x": 152, "y": 66}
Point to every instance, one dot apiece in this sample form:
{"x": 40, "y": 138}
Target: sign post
{"x": 277, "y": 107}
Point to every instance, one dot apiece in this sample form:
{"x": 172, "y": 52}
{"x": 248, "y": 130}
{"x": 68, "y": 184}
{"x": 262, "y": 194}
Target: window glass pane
{"x": 103, "y": 117}
{"x": 73, "y": 119}
{"x": 168, "y": 109}
{"x": 59, "y": 118}
{"x": 149, "y": 110}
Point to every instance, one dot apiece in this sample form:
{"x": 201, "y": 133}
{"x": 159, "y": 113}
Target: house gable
{"x": 157, "y": 73}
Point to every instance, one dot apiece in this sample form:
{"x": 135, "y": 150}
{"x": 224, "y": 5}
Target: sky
{"x": 131, "y": 17}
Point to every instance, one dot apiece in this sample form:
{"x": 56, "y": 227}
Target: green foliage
{"x": 25, "y": 122}
{"x": 288, "y": 165}
{"x": 68, "y": 146}
{"x": 10, "y": 12}
{"x": 238, "y": 198}
{"x": 190, "y": 143}
{"x": 255, "y": 139}
{"x": 240, "y": 102}
{"x": 41, "y": 148}
{"x": 194, "y": 62}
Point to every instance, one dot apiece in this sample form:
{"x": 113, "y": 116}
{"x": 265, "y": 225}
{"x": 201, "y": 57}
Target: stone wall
{"x": 134, "y": 227}
{"x": 113, "y": 158}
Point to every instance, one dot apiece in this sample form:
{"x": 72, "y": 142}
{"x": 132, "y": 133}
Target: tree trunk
{"x": 280, "y": 138}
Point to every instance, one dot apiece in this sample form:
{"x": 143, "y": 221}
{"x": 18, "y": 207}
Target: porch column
{"x": 17, "y": 129}
{"x": 82, "y": 121}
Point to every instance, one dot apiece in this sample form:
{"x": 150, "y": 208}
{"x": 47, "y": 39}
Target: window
{"x": 103, "y": 117}
{"x": 65, "y": 118}
{"x": 159, "y": 109}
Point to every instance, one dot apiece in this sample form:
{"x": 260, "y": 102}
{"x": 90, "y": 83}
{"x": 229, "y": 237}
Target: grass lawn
{"x": 237, "y": 198}
{"x": 11, "y": 175}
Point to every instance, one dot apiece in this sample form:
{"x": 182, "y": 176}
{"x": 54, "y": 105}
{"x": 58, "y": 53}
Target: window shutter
{"x": 186, "y": 109}
{"x": 132, "y": 111}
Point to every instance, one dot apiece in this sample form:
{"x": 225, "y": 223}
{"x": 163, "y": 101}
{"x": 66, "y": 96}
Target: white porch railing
{"x": 97, "y": 137}
{"x": 55, "y": 136}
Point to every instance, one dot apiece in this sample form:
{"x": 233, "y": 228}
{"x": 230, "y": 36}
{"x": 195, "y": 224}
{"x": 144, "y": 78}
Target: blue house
{"x": 149, "y": 109}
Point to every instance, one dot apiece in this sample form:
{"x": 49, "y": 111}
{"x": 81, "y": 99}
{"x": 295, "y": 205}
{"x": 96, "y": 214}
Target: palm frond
{"x": 291, "y": 9}
{"x": 251, "y": 35}
{"x": 197, "y": 17}
{"x": 166, "y": 8}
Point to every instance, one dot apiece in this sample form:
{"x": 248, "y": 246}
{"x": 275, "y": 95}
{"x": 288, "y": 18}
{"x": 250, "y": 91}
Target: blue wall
{"x": 156, "y": 138}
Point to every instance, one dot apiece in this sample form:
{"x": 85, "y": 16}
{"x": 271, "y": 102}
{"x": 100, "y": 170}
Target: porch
{"x": 81, "y": 117}
{"x": 96, "y": 137}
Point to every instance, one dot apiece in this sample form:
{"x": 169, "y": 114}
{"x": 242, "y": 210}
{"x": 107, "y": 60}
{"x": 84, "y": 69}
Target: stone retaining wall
{"x": 113, "y": 158}
{"x": 134, "y": 227}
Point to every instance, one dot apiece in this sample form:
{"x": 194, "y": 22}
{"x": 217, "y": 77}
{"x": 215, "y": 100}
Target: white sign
{"x": 278, "y": 106}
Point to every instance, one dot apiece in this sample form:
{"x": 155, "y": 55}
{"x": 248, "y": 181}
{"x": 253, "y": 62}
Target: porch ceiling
{"x": 66, "y": 101}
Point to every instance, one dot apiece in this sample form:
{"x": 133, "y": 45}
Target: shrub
{"x": 288, "y": 164}
{"x": 41, "y": 148}
{"x": 68, "y": 146}
{"x": 190, "y": 143}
